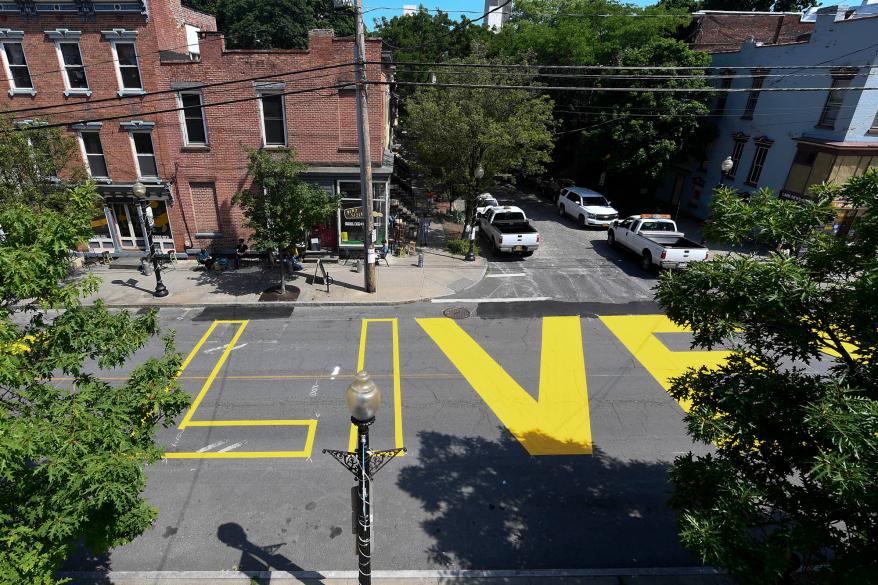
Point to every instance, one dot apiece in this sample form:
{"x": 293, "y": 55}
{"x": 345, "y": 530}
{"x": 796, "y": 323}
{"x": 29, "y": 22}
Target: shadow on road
{"x": 627, "y": 262}
{"x": 257, "y": 560}
{"x": 493, "y": 506}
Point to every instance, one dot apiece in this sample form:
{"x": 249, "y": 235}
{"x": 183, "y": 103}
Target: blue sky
{"x": 473, "y": 8}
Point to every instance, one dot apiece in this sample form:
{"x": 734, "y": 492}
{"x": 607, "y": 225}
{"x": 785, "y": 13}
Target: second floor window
{"x": 94, "y": 154}
{"x": 194, "y": 127}
{"x": 19, "y": 76}
{"x": 126, "y": 62}
{"x": 755, "y": 89}
{"x": 834, "y": 101}
{"x": 74, "y": 71}
{"x": 143, "y": 150}
{"x": 758, "y": 162}
{"x": 274, "y": 132}
{"x": 737, "y": 151}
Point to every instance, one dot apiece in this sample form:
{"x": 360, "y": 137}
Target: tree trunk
{"x": 283, "y": 276}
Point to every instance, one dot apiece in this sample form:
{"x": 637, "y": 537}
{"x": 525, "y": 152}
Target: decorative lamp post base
{"x": 160, "y": 290}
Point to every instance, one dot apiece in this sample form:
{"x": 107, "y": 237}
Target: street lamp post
{"x": 363, "y": 399}
{"x": 726, "y": 167}
{"x": 471, "y": 254}
{"x": 139, "y": 190}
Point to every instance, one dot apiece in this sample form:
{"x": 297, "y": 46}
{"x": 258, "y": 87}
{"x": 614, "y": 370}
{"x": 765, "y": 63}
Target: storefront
{"x": 350, "y": 214}
{"x": 121, "y": 225}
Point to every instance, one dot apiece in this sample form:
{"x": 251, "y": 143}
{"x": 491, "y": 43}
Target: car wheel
{"x": 527, "y": 254}
{"x": 611, "y": 238}
{"x": 646, "y": 261}
{"x": 561, "y": 210}
{"x": 582, "y": 221}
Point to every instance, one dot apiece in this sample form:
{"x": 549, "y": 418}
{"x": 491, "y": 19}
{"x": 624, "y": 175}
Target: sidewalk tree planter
{"x": 793, "y": 477}
{"x": 280, "y": 207}
{"x": 72, "y": 453}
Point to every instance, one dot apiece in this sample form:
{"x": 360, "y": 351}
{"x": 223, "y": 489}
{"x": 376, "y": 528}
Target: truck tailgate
{"x": 519, "y": 239}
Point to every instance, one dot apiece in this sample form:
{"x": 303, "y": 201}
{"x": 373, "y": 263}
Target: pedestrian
{"x": 240, "y": 250}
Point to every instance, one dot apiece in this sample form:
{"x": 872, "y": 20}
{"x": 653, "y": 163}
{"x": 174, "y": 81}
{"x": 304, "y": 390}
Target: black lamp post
{"x": 471, "y": 254}
{"x": 726, "y": 167}
{"x": 139, "y": 190}
{"x": 363, "y": 398}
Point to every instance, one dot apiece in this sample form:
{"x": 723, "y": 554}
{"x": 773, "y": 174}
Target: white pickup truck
{"x": 508, "y": 230}
{"x": 654, "y": 237}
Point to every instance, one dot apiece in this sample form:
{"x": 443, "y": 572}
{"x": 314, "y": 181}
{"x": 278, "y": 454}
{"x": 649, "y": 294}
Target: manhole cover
{"x": 456, "y": 313}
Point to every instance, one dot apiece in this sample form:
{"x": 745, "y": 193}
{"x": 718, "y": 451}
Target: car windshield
{"x": 595, "y": 200}
{"x": 509, "y": 216}
{"x": 487, "y": 202}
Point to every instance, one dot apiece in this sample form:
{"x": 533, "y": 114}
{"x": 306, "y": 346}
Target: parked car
{"x": 507, "y": 229}
{"x": 654, "y": 237}
{"x": 484, "y": 202}
{"x": 587, "y": 207}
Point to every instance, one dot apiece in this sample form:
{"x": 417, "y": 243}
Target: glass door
{"x": 128, "y": 226}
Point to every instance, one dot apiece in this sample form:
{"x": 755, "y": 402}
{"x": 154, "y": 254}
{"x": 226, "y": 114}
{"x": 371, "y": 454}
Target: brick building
{"x": 137, "y": 62}
{"x": 717, "y": 31}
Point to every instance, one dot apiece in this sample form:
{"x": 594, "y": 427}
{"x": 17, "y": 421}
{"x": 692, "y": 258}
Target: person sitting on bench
{"x": 204, "y": 258}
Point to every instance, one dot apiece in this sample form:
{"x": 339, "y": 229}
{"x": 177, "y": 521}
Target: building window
{"x": 834, "y": 100}
{"x": 737, "y": 152}
{"x": 755, "y": 89}
{"x": 274, "y": 131}
{"x": 723, "y": 98}
{"x": 127, "y": 69}
{"x": 16, "y": 65}
{"x": 74, "y": 71}
{"x": 145, "y": 155}
{"x": 762, "y": 146}
{"x": 192, "y": 42}
{"x": 94, "y": 154}
{"x": 192, "y": 118}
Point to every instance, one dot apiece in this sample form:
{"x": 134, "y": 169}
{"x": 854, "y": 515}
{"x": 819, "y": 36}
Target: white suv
{"x": 586, "y": 206}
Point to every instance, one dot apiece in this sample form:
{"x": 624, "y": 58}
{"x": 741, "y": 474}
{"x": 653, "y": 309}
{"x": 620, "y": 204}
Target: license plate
{"x": 682, "y": 265}
{"x": 519, "y": 248}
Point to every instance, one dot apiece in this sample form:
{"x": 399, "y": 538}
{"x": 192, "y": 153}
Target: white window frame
{"x": 15, "y": 37}
{"x": 140, "y": 175}
{"x": 283, "y": 111}
{"x": 183, "y": 129}
{"x": 86, "y": 91}
{"x": 123, "y": 91}
{"x": 757, "y": 166}
{"x": 194, "y": 48}
{"x": 85, "y": 153}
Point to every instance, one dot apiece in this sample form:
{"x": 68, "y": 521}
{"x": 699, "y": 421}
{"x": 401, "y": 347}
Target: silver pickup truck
{"x": 508, "y": 230}
{"x": 654, "y": 237}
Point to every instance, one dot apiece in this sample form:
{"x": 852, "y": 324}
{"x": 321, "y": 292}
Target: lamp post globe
{"x": 363, "y": 398}
{"x": 726, "y": 166}
{"x": 139, "y": 190}
{"x": 480, "y": 172}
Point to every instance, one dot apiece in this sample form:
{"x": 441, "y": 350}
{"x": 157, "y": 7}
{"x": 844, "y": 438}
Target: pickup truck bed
{"x": 515, "y": 228}
{"x": 671, "y": 240}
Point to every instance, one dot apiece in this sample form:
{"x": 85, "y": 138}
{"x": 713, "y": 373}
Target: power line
{"x": 622, "y": 67}
{"x": 177, "y": 109}
{"x": 452, "y": 30}
{"x": 585, "y": 14}
{"x": 67, "y": 112}
{"x": 118, "y": 101}
{"x": 619, "y": 89}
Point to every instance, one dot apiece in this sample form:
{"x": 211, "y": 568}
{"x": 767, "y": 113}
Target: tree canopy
{"x": 72, "y": 446}
{"x": 280, "y": 207}
{"x": 793, "y": 414}
{"x": 450, "y": 132}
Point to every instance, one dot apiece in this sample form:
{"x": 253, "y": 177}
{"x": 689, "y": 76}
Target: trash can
{"x": 420, "y": 259}
{"x": 315, "y": 244}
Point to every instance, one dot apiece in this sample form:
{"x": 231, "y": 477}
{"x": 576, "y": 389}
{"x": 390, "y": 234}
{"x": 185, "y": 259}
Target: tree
{"x": 205, "y": 6}
{"x": 280, "y": 207}
{"x": 759, "y": 5}
{"x": 427, "y": 38}
{"x": 793, "y": 414}
{"x": 450, "y": 132}
{"x": 278, "y": 24}
{"x": 72, "y": 450}
{"x": 632, "y": 136}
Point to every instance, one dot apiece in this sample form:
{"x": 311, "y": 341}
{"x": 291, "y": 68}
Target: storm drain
{"x": 456, "y": 313}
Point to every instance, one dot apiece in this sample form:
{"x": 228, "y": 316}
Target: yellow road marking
{"x": 219, "y": 364}
{"x": 637, "y": 334}
{"x": 558, "y": 422}
{"x": 397, "y": 385}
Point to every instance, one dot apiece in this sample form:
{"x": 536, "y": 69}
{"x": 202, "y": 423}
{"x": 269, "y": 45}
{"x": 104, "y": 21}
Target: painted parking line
{"x": 226, "y": 453}
{"x": 397, "y": 384}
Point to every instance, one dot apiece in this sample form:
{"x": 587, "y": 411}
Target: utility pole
{"x": 365, "y": 150}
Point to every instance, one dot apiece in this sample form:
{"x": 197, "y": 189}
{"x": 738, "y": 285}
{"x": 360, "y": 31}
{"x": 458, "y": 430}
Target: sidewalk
{"x": 191, "y": 285}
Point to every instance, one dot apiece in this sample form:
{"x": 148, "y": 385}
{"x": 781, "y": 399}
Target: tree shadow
{"x": 257, "y": 561}
{"x": 494, "y": 506}
{"x": 623, "y": 259}
{"x": 243, "y": 281}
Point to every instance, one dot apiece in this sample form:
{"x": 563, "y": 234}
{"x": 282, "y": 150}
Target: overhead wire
{"x": 618, "y": 89}
{"x": 624, "y": 67}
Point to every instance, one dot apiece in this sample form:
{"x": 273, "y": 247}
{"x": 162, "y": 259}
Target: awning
{"x": 122, "y": 192}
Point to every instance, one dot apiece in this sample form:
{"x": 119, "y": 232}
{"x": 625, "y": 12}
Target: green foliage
{"x": 205, "y": 6}
{"x": 451, "y": 131}
{"x": 460, "y": 246}
{"x": 794, "y": 474}
{"x": 759, "y": 5}
{"x": 632, "y": 136}
{"x": 72, "y": 450}
{"x": 427, "y": 38}
{"x": 278, "y": 24}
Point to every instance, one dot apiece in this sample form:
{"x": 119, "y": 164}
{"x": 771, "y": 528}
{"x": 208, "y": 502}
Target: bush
{"x": 460, "y": 246}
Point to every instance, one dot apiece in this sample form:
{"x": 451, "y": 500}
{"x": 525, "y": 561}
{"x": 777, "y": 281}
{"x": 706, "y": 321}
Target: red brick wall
{"x": 717, "y": 32}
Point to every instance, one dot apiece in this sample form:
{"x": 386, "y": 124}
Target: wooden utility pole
{"x": 365, "y": 150}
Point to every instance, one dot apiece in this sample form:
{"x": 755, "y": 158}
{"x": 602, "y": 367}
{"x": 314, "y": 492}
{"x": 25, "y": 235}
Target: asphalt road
{"x": 572, "y": 264}
{"x": 554, "y": 468}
